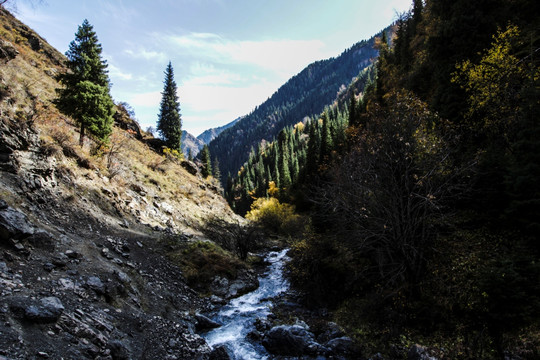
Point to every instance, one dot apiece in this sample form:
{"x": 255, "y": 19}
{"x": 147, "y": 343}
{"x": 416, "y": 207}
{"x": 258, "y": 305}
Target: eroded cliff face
{"x": 84, "y": 231}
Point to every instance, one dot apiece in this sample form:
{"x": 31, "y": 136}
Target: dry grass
{"x": 27, "y": 90}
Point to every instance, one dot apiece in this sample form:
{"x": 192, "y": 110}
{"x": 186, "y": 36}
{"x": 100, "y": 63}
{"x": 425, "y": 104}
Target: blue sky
{"x": 228, "y": 55}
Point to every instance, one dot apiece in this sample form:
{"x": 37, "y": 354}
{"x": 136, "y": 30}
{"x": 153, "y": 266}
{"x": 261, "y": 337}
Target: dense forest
{"x": 304, "y": 95}
{"x": 423, "y": 185}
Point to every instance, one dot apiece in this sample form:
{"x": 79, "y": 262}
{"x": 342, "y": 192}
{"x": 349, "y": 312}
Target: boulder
{"x": 7, "y": 51}
{"x": 220, "y": 353}
{"x": 189, "y": 166}
{"x": 14, "y": 225}
{"x": 341, "y": 346}
{"x": 119, "y": 351}
{"x": 246, "y": 282}
{"x": 203, "y": 323}
{"x": 42, "y": 240}
{"x": 331, "y": 331}
{"x": 96, "y": 284}
{"x": 289, "y": 340}
{"x": 47, "y": 310}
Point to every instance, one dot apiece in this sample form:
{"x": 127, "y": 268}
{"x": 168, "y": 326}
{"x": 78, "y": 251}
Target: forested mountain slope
{"x": 304, "y": 95}
{"x": 425, "y": 225}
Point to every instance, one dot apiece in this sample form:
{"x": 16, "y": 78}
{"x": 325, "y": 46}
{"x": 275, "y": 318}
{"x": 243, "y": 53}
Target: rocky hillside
{"x": 86, "y": 233}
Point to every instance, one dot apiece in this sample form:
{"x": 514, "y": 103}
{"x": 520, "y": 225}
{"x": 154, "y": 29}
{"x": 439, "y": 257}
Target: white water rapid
{"x": 239, "y": 315}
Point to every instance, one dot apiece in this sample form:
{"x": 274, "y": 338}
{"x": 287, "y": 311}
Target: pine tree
{"x": 215, "y": 169}
{"x": 85, "y": 96}
{"x": 326, "y": 138}
{"x": 169, "y": 119}
{"x": 206, "y": 169}
{"x": 283, "y": 162}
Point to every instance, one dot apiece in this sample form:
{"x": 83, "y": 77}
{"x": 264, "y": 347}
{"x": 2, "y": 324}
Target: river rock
{"x": 331, "y": 331}
{"x": 220, "y": 353}
{"x": 245, "y": 282}
{"x": 341, "y": 346}
{"x": 220, "y": 286}
{"x": 290, "y": 340}
{"x": 203, "y": 323}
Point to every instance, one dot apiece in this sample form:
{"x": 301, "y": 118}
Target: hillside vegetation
{"x": 424, "y": 210}
{"x": 304, "y": 95}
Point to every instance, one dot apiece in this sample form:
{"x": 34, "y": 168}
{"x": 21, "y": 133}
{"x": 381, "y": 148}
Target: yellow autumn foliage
{"x": 280, "y": 218}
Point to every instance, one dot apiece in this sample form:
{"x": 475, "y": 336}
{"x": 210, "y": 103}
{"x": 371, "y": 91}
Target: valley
{"x": 381, "y": 204}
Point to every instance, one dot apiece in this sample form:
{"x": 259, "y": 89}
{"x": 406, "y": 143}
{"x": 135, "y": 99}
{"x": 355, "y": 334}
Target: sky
{"x": 228, "y": 56}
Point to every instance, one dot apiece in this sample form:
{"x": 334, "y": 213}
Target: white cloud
{"x": 115, "y": 73}
{"x": 285, "y": 57}
{"x": 146, "y": 54}
{"x": 149, "y": 99}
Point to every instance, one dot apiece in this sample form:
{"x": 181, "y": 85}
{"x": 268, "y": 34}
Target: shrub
{"x": 277, "y": 217}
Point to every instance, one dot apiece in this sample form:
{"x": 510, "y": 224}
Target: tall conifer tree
{"x": 169, "y": 119}
{"x": 206, "y": 170}
{"x": 85, "y": 96}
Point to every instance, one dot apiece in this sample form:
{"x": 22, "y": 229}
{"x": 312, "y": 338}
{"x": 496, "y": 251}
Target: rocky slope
{"x": 85, "y": 232}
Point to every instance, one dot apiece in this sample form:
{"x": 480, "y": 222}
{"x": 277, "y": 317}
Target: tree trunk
{"x": 81, "y": 137}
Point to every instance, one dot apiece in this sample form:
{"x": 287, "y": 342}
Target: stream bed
{"x": 238, "y": 316}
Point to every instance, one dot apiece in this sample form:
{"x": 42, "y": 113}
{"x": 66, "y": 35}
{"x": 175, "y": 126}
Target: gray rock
{"x": 341, "y": 346}
{"x": 96, "y": 284}
{"x": 14, "y": 224}
{"x": 204, "y": 323}
{"x": 119, "y": 350}
{"x": 246, "y": 282}
{"x": 7, "y": 51}
{"x": 262, "y": 324}
{"x": 290, "y": 340}
{"x": 189, "y": 166}
{"x": 123, "y": 277}
{"x": 48, "y": 310}
{"x": 72, "y": 254}
{"x": 220, "y": 286}
{"x": 220, "y": 353}
{"x": 331, "y": 331}
{"x": 43, "y": 240}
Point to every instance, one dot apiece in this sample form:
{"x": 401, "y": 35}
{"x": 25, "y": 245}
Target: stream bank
{"x": 249, "y": 328}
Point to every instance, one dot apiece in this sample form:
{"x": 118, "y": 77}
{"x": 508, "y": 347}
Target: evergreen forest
{"x": 420, "y": 185}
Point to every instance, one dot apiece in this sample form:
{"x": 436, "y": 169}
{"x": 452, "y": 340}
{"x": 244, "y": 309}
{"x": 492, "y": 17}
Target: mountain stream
{"x": 239, "y": 315}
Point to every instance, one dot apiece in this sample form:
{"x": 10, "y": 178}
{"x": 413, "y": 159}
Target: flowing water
{"x": 239, "y": 315}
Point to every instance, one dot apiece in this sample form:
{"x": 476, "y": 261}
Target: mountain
{"x": 208, "y": 135}
{"x": 191, "y": 143}
{"x": 195, "y": 144}
{"x": 304, "y": 95}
